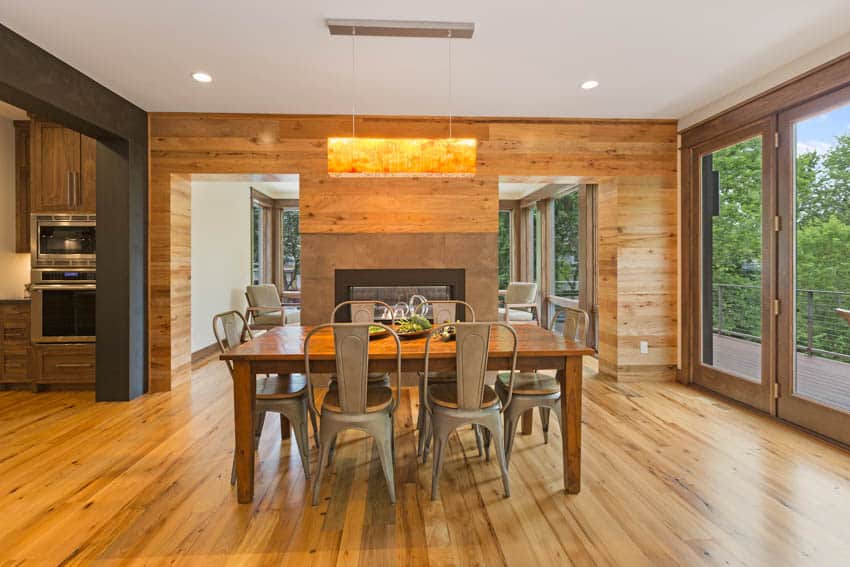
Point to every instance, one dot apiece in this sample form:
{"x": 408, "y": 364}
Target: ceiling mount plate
{"x": 401, "y": 28}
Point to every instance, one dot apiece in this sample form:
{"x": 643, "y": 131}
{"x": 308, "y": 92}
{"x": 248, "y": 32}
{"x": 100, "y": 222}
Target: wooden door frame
{"x": 831, "y": 422}
{"x": 757, "y": 395}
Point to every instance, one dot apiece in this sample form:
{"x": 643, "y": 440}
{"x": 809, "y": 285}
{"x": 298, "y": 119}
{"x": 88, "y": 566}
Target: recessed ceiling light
{"x": 202, "y": 77}
{"x": 587, "y": 85}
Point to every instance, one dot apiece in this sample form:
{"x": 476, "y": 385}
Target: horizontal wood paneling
{"x": 386, "y": 208}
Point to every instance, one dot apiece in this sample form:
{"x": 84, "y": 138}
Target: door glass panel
{"x": 504, "y": 249}
{"x": 290, "y": 249}
{"x": 822, "y": 257}
{"x": 256, "y": 243}
{"x": 567, "y": 249}
{"x": 535, "y": 244}
{"x": 731, "y": 269}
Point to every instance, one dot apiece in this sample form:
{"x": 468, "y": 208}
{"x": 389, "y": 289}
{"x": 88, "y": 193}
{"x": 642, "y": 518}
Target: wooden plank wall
{"x": 185, "y": 144}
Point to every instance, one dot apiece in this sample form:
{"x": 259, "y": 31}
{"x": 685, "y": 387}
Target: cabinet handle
{"x": 69, "y": 181}
{"x": 79, "y": 197}
{"x": 74, "y": 365}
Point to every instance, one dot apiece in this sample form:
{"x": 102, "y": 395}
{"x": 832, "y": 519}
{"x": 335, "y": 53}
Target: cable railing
{"x": 566, "y": 288}
{"x": 820, "y": 330}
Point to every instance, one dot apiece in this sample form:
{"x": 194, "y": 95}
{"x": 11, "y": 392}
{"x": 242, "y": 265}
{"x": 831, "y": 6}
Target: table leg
{"x": 285, "y": 428}
{"x": 570, "y": 379}
{"x": 244, "y": 393}
{"x": 527, "y": 423}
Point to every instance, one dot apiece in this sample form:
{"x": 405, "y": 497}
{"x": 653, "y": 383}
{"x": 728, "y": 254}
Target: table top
{"x": 287, "y": 343}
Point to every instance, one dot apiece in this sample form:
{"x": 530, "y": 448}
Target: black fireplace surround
{"x": 346, "y": 280}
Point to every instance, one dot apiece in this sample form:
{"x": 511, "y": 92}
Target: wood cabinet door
{"x": 86, "y": 188}
{"x": 56, "y": 162}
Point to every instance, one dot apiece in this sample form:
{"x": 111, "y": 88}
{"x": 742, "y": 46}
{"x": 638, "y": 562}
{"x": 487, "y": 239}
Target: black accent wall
{"x": 36, "y": 81}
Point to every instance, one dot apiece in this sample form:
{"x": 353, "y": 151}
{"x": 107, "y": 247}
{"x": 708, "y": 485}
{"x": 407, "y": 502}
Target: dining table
{"x": 281, "y": 351}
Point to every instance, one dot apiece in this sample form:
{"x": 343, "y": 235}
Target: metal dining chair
{"x": 468, "y": 400}
{"x": 354, "y": 404}
{"x": 364, "y": 312}
{"x": 521, "y": 303}
{"x": 440, "y": 311}
{"x": 284, "y": 394}
{"x": 537, "y": 389}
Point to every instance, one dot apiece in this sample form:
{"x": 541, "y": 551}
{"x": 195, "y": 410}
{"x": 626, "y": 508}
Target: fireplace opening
{"x": 395, "y": 285}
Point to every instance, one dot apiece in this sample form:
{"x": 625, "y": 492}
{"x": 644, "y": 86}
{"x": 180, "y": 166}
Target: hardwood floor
{"x": 670, "y": 476}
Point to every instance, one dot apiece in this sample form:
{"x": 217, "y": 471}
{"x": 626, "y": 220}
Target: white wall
{"x": 772, "y": 79}
{"x": 14, "y": 268}
{"x": 221, "y": 253}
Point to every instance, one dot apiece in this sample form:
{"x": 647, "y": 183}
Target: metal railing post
{"x": 720, "y": 309}
{"x": 810, "y": 311}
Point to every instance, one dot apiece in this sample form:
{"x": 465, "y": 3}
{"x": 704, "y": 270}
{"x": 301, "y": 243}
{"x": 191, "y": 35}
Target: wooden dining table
{"x": 281, "y": 351}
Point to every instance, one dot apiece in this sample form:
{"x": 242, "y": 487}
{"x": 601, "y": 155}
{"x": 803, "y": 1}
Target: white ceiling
{"x": 655, "y": 58}
{"x": 276, "y": 186}
{"x": 515, "y": 190}
{"x": 12, "y": 112}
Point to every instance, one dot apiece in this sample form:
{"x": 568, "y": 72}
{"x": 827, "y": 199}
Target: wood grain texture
{"x": 671, "y": 476}
{"x": 187, "y": 144}
{"x": 22, "y": 186}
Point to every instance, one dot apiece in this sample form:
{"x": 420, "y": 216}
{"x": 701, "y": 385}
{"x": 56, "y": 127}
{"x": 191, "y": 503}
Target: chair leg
{"x": 315, "y": 427}
{"x": 421, "y": 422}
{"x": 440, "y": 439}
{"x": 426, "y": 439}
{"x": 478, "y": 443}
{"x": 332, "y": 450}
{"x": 496, "y": 432}
{"x": 324, "y": 455}
{"x": 302, "y": 439}
{"x": 285, "y": 428}
{"x": 487, "y": 439}
{"x": 544, "y": 422}
{"x": 383, "y": 436}
{"x": 511, "y": 425}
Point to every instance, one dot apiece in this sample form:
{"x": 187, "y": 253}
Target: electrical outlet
{"x": 644, "y": 347}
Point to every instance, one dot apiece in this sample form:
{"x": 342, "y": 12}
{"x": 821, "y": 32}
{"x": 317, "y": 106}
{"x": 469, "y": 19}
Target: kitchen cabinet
{"x": 15, "y": 352}
{"x": 22, "y": 186}
{"x": 62, "y": 169}
{"x": 64, "y": 364}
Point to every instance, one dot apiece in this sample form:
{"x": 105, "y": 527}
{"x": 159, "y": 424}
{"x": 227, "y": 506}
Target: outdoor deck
{"x": 822, "y": 380}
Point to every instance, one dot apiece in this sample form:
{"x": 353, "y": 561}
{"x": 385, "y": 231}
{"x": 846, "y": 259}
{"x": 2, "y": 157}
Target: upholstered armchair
{"x": 265, "y": 309}
{"x": 521, "y": 303}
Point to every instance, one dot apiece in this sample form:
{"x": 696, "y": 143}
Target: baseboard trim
{"x": 204, "y": 356}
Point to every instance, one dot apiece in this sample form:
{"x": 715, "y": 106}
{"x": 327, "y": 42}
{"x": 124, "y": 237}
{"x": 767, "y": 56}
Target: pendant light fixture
{"x": 400, "y": 157}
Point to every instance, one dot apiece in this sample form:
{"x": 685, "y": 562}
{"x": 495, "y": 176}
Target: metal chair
{"x": 441, "y": 311}
{"x": 521, "y": 303}
{"x": 285, "y": 394}
{"x": 535, "y": 389}
{"x": 364, "y": 312}
{"x": 468, "y": 400}
{"x": 354, "y": 404}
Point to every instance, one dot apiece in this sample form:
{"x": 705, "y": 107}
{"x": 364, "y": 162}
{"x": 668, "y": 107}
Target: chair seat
{"x": 272, "y": 318}
{"x": 371, "y": 377}
{"x": 516, "y": 315}
{"x": 445, "y": 395}
{"x": 281, "y": 386}
{"x": 530, "y": 383}
{"x": 293, "y": 316}
{"x": 439, "y": 376}
{"x": 377, "y": 399}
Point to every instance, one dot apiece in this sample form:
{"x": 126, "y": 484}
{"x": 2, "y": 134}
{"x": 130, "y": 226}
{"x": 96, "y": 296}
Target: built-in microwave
{"x": 63, "y": 240}
{"x": 63, "y": 306}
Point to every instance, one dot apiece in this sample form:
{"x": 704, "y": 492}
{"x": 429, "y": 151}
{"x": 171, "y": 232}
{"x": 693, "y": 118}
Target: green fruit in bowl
{"x": 413, "y": 324}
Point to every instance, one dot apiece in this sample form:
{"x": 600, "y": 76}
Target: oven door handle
{"x": 62, "y": 286}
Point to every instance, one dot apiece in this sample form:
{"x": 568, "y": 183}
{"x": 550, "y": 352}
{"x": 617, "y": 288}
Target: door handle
{"x": 74, "y": 365}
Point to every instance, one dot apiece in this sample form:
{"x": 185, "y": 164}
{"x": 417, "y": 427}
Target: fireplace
{"x": 394, "y": 285}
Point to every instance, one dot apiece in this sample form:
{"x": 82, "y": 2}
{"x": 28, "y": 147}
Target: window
{"x": 536, "y": 238}
{"x": 290, "y": 249}
{"x": 566, "y": 246}
{"x": 504, "y": 248}
{"x": 257, "y": 242}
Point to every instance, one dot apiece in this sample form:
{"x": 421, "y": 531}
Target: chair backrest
{"x": 351, "y": 349}
{"x": 362, "y": 311}
{"x": 231, "y": 330}
{"x": 521, "y": 293}
{"x": 444, "y": 310}
{"x": 472, "y": 351}
{"x": 263, "y": 295}
{"x": 573, "y": 323}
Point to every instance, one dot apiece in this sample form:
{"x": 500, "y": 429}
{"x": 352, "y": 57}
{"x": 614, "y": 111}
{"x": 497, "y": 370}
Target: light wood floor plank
{"x": 671, "y": 476}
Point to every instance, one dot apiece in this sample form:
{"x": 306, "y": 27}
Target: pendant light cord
{"x": 450, "y": 83}
{"x": 353, "y": 78}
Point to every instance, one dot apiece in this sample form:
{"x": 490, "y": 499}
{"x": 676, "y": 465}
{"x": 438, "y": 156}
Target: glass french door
{"x": 814, "y": 265}
{"x": 736, "y": 330}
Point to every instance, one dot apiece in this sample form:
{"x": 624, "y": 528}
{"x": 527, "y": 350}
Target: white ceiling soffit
{"x": 276, "y": 186}
{"x": 653, "y": 59}
{"x": 513, "y": 191}
{"x": 12, "y": 112}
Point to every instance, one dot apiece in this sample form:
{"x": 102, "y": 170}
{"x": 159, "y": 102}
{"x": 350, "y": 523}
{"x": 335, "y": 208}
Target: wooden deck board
{"x": 672, "y": 475}
{"x": 820, "y": 379}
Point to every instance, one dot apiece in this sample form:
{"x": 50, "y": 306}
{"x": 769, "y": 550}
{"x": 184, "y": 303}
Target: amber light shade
{"x": 402, "y": 157}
